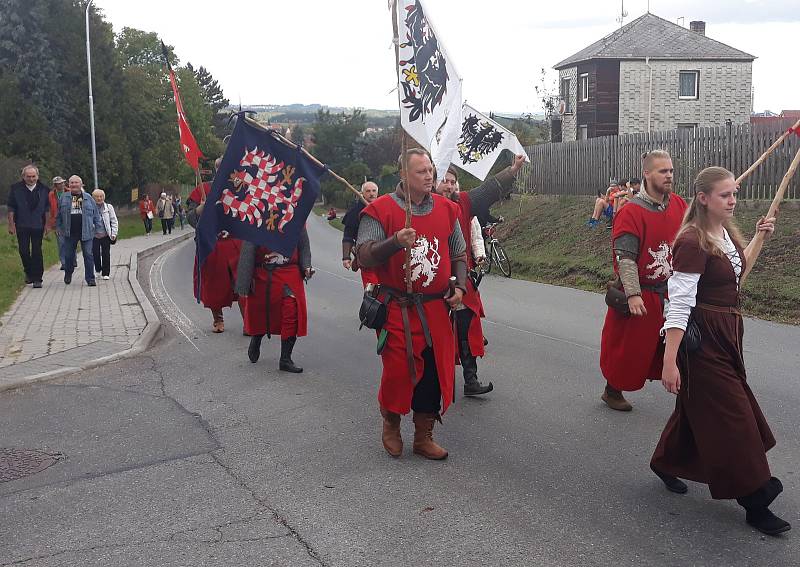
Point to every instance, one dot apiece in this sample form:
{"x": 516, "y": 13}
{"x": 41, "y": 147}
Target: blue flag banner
{"x": 262, "y": 192}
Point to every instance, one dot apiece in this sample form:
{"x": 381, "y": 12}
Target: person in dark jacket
{"x": 28, "y": 204}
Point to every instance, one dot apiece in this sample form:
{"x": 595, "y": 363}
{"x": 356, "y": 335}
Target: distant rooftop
{"x": 656, "y": 38}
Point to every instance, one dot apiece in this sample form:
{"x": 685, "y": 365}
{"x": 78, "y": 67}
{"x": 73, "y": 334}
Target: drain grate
{"x": 19, "y": 463}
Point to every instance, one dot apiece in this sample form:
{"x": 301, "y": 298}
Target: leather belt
{"x": 271, "y": 267}
{"x": 404, "y": 300}
{"x": 719, "y": 308}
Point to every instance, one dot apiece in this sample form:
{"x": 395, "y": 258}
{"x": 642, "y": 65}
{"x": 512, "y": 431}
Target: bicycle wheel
{"x": 487, "y": 269}
{"x": 502, "y": 260}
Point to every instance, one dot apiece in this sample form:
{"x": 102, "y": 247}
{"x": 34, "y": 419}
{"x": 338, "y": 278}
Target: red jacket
{"x": 145, "y": 207}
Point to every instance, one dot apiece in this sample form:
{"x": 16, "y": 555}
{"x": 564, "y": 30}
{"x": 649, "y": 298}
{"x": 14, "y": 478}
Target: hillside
{"x": 547, "y": 242}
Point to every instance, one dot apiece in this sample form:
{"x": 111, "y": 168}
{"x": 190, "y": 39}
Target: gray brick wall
{"x": 725, "y": 93}
{"x": 569, "y": 126}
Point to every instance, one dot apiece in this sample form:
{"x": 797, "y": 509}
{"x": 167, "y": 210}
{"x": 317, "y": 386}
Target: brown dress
{"x": 717, "y": 434}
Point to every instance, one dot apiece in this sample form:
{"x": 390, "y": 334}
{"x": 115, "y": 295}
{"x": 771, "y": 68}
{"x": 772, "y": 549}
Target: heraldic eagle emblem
{"x": 478, "y": 139}
{"x": 425, "y": 74}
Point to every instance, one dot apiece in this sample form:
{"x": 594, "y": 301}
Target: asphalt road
{"x": 194, "y": 456}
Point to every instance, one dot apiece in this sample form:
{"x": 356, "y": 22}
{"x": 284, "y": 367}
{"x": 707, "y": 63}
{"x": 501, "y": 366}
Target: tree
{"x": 548, "y": 97}
{"x": 379, "y": 148}
{"x": 209, "y": 88}
{"x": 335, "y": 137}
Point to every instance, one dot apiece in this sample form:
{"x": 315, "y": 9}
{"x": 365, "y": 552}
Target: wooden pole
{"x": 766, "y": 154}
{"x": 403, "y": 144}
{"x": 294, "y": 146}
{"x": 758, "y": 240}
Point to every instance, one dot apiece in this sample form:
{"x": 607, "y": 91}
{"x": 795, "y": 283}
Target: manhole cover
{"x": 19, "y": 463}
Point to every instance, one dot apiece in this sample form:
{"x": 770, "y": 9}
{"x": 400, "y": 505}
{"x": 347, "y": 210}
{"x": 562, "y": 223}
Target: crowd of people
{"x": 76, "y": 217}
{"x": 673, "y": 312}
{"x": 167, "y": 209}
{"x": 609, "y": 202}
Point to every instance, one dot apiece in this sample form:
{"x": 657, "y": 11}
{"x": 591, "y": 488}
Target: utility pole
{"x": 91, "y": 98}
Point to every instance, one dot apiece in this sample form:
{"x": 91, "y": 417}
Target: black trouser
{"x": 463, "y": 322}
{"x": 427, "y": 395}
{"x": 30, "y": 252}
{"x": 148, "y": 224}
{"x": 101, "y": 252}
{"x": 166, "y": 225}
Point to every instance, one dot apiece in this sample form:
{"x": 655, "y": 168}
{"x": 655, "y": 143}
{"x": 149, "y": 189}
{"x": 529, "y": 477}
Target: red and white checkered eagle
{"x": 263, "y": 192}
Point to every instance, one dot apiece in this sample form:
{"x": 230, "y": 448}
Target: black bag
{"x": 372, "y": 312}
{"x": 691, "y": 337}
{"x": 616, "y": 299}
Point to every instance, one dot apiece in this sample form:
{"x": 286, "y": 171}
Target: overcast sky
{"x": 338, "y": 52}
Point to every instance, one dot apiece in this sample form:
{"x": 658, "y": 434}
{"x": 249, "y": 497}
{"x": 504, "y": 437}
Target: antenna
{"x": 681, "y": 21}
{"x": 622, "y": 14}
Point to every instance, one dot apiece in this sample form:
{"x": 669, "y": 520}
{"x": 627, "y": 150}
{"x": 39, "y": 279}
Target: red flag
{"x": 189, "y": 148}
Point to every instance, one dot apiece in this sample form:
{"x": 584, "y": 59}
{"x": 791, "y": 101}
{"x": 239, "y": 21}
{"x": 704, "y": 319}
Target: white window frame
{"x": 583, "y": 87}
{"x": 696, "y": 95}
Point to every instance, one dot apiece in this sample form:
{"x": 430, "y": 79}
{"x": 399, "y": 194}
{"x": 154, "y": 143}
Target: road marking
{"x": 164, "y": 300}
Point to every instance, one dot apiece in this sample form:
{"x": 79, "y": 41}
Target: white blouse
{"x": 682, "y": 288}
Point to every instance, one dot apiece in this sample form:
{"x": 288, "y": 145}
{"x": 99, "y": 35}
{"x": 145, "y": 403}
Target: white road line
{"x": 166, "y": 304}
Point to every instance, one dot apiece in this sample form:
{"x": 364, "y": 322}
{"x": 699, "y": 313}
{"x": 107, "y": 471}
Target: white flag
{"x": 481, "y": 142}
{"x": 430, "y": 88}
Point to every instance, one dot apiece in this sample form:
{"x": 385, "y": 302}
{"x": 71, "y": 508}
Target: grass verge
{"x": 547, "y": 241}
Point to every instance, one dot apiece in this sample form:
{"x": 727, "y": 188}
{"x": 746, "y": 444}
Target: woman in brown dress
{"x": 717, "y": 434}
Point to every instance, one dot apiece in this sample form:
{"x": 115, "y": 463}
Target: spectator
{"x": 179, "y": 210}
{"x": 59, "y": 188}
{"x": 602, "y": 207}
{"x": 635, "y": 185}
{"x": 147, "y": 212}
{"x": 104, "y": 238}
{"x": 621, "y": 193}
{"x": 166, "y": 212}
{"x": 331, "y": 214}
{"x": 28, "y": 203}
{"x": 78, "y": 221}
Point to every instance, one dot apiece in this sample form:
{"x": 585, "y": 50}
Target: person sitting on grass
{"x": 602, "y": 207}
{"x": 331, "y": 214}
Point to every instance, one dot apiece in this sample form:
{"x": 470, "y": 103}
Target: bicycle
{"x": 495, "y": 254}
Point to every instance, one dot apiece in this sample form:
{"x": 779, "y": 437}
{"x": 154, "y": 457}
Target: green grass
{"x": 12, "y": 278}
{"x": 547, "y": 242}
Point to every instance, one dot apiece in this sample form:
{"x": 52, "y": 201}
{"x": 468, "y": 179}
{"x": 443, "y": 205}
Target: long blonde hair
{"x": 697, "y": 214}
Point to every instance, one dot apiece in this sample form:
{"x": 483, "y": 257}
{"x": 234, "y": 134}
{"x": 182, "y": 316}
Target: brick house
{"x": 652, "y": 74}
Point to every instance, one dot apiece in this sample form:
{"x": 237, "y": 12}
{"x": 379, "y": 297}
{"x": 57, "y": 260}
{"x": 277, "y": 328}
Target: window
{"x": 583, "y": 132}
{"x": 689, "y": 85}
{"x": 583, "y": 87}
{"x": 686, "y": 126}
{"x": 565, "y": 84}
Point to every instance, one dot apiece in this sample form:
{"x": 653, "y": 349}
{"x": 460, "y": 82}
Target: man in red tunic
{"x": 218, "y": 273}
{"x": 631, "y": 348}
{"x": 468, "y": 316}
{"x": 418, "y": 348}
{"x": 270, "y": 288}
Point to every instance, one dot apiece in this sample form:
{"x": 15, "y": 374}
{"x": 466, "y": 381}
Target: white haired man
{"x": 28, "y": 203}
{"x": 78, "y": 221}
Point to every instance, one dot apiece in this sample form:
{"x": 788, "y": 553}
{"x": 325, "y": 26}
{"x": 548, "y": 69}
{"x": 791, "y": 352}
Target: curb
{"x": 141, "y": 344}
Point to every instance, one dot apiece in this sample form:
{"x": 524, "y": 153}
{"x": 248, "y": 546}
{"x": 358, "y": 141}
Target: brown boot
{"x": 615, "y": 400}
{"x": 423, "y": 437}
{"x": 219, "y": 324}
{"x": 392, "y": 441}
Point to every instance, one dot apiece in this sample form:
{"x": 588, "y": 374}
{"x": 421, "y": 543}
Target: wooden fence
{"x": 586, "y": 166}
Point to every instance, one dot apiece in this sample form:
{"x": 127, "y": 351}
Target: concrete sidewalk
{"x": 62, "y": 328}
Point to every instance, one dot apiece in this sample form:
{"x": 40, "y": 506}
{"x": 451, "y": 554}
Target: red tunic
{"x": 472, "y": 299}
{"x": 631, "y": 348}
{"x": 430, "y": 274}
{"x": 218, "y": 274}
{"x": 282, "y": 305}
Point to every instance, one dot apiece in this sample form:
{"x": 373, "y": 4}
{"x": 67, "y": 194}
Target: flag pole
{"x": 758, "y": 240}
{"x": 793, "y": 130}
{"x": 403, "y": 144}
{"x": 285, "y": 141}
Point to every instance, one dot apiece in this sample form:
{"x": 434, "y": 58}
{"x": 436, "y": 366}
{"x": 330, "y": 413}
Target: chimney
{"x": 698, "y": 27}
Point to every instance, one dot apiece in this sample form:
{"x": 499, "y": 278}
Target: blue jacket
{"x": 92, "y": 221}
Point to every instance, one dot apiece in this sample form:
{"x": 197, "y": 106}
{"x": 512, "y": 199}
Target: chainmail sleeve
{"x": 304, "y": 251}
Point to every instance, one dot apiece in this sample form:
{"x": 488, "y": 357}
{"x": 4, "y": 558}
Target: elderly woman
{"x": 105, "y": 236}
{"x": 166, "y": 212}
